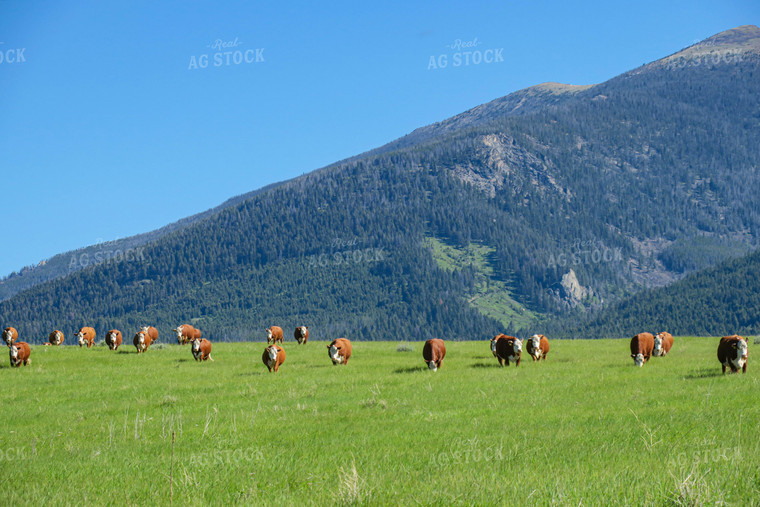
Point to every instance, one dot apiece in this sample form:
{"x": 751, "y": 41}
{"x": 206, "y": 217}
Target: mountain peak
{"x": 726, "y": 47}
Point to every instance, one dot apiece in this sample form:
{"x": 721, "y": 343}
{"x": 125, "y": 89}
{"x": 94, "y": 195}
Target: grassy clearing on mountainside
{"x": 492, "y": 297}
{"x": 95, "y": 427}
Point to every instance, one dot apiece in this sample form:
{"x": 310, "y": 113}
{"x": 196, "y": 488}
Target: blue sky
{"x": 111, "y": 127}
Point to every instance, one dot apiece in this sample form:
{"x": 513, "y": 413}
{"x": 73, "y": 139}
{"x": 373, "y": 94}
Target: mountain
{"x": 717, "y": 301}
{"x": 533, "y": 209}
{"x": 69, "y": 262}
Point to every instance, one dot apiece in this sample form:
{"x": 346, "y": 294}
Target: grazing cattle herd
{"x": 732, "y": 350}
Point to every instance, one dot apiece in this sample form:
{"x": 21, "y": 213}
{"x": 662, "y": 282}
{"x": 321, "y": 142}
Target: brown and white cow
{"x": 493, "y": 343}
{"x": 642, "y": 346}
{"x": 150, "y": 331}
{"x": 732, "y": 352}
{"x": 433, "y": 353}
{"x": 201, "y": 349}
{"x": 55, "y": 338}
{"x": 185, "y": 333}
{"x": 339, "y": 351}
{"x": 274, "y": 334}
{"x": 663, "y": 342}
{"x": 142, "y": 341}
{"x": 301, "y": 334}
{"x": 10, "y": 335}
{"x": 273, "y": 357}
{"x": 86, "y": 336}
{"x": 537, "y": 346}
{"x": 19, "y": 353}
{"x": 113, "y": 339}
{"x": 508, "y": 348}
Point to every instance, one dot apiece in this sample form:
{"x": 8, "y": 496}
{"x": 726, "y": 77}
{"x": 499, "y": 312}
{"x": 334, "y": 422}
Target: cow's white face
{"x": 58, "y": 338}
{"x": 7, "y": 337}
{"x": 145, "y": 329}
{"x": 493, "y": 346}
{"x": 741, "y": 350}
{"x": 272, "y": 353}
{"x": 638, "y": 360}
{"x": 432, "y": 365}
{"x": 80, "y": 338}
{"x": 535, "y": 342}
{"x": 141, "y": 340}
{"x": 196, "y": 345}
{"x": 657, "y": 345}
{"x": 303, "y": 330}
{"x": 14, "y": 353}
{"x": 179, "y": 334}
{"x": 269, "y": 334}
{"x": 334, "y": 354}
{"x": 517, "y": 346}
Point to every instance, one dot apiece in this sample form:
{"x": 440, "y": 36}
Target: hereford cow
{"x": 339, "y": 351}
{"x": 273, "y": 357}
{"x": 150, "y": 331}
{"x": 433, "y": 353}
{"x": 301, "y": 334}
{"x": 113, "y": 339}
{"x": 274, "y": 334}
{"x": 732, "y": 352}
{"x": 10, "y": 335}
{"x": 642, "y": 346}
{"x": 202, "y": 350}
{"x": 86, "y": 336}
{"x": 185, "y": 333}
{"x": 142, "y": 341}
{"x": 663, "y": 342}
{"x": 508, "y": 348}
{"x": 19, "y": 353}
{"x": 537, "y": 346}
{"x": 493, "y": 343}
{"x": 55, "y": 338}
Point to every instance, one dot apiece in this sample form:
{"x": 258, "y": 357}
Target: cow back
{"x": 434, "y": 350}
{"x": 642, "y": 343}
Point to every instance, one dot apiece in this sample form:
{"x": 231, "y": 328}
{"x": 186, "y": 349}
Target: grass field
{"x": 93, "y": 427}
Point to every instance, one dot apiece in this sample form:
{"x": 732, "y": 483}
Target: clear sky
{"x": 112, "y": 126}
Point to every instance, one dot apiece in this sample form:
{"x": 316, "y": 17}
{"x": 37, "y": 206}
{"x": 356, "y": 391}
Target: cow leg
{"x": 517, "y": 363}
{"x": 744, "y": 368}
{"x": 724, "y": 368}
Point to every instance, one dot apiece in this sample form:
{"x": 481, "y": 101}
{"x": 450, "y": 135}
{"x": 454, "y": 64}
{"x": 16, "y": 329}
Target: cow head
{"x": 269, "y": 333}
{"x": 741, "y": 348}
{"x": 302, "y": 330}
{"x": 493, "y": 344}
{"x": 535, "y": 343}
{"x": 432, "y": 365}
{"x": 517, "y": 346}
{"x": 196, "y": 346}
{"x": 141, "y": 340}
{"x": 334, "y": 352}
{"x": 14, "y": 354}
{"x": 657, "y": 351}
{"x": 271, "y": 352}
{"x": 638, "y": 359}
{"x": 7, "y": 336}
{"x": 58, "y": 337}
{"x": 80, "y": 338}
{"x": 179, "y": 334}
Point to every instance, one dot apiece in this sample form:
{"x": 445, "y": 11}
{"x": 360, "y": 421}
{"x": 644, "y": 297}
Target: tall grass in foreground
{"x": 95, "y": 427}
